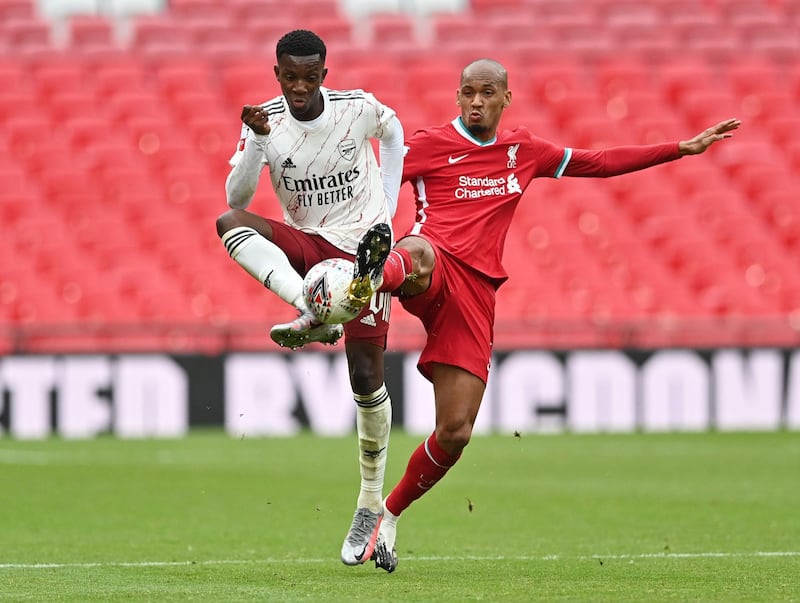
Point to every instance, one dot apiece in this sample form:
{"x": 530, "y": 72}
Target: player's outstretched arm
{"x": 706, "y": 138}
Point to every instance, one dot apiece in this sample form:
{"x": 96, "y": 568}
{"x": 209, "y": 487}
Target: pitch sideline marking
{"x": 624, "y": 556}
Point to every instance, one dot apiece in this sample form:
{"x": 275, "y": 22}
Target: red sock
{"x": 427, "y": 465}
{"x": 397, "y": 267}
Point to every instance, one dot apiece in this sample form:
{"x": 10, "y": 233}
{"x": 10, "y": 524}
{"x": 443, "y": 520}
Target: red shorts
{"x": 457, "y": 312}
{"x": 304, "y": 250}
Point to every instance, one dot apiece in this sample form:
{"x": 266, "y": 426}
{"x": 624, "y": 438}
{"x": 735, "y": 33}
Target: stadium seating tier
{"x": 115, "y": 131}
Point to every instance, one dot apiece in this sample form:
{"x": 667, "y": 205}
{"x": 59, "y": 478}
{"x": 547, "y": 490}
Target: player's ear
{"x": 324, "y": 73}
{"x": 507, "y": 99}
{"x": 277, "y": 71}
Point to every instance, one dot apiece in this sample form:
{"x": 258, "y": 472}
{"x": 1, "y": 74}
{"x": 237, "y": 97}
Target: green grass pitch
{"x": 678, "y": 517}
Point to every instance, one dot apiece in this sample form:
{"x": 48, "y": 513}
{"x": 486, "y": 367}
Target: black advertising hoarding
{"x": 280, "y": 394}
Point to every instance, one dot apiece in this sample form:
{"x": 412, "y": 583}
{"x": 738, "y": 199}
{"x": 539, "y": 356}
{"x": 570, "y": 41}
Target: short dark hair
{"x": 301, "y": 43}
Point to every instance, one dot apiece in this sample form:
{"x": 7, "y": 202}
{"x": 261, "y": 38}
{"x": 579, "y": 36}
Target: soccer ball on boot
{"x": 325, "y": 290}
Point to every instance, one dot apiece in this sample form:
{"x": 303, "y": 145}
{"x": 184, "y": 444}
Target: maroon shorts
{"x": 457, "y": 312}
{"x": 304, "y": 250}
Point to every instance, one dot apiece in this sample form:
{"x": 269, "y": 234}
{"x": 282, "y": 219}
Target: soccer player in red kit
{"x": 468, "y": 178}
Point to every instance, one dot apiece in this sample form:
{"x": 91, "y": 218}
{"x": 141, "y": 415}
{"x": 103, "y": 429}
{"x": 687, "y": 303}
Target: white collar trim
{"x": 462, "y": 129}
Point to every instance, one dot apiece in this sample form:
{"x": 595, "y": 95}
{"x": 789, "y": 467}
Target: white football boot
{"x": 359, "y": 543}
{"x": 305, "y": 329}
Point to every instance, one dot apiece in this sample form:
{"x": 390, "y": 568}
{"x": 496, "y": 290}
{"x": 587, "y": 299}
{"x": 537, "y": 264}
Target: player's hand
{"x": 255, "y": 118}
{"x": 705, "y": 139}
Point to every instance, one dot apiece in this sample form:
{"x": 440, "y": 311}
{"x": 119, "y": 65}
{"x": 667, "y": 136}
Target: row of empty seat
{"x": 112, "y": 169}
{"x": 657, "y": 28}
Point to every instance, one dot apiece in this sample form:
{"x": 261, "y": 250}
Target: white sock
{"x": 373, "y": 423}
{"x": 266, "y": 262}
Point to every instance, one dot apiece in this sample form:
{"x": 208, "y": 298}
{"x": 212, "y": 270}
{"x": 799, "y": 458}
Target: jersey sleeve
{"x": 382, "y": 116}
{"x": 416, "y": 157}
{"x": 551, "y": 159}
{"x": 619, "y": 160}
{"x": 237, "y": 155}
{"x": 555, "y": 161}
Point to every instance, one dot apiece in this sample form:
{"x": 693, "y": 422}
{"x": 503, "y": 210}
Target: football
{"x": 325, "y": 291}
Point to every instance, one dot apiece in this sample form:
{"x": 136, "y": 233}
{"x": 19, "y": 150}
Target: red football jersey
{"x": 467, "y": 191}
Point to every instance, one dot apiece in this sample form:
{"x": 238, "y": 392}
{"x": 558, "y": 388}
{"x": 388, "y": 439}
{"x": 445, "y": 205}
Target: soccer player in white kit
{"x": 315, "y": 145}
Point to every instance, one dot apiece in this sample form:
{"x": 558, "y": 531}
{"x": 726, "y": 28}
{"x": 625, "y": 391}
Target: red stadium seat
{"x": 182, "y": 75}
{"x": 87, "y": 31}
{"x": 246, "y": 10}
{"x": 489, "y": 8}
{"x": 453, "y": 28}
{"x": 211, "y": 30}
{"x": 704, "y": 108}
{"x": 392, "y": 30}
{"x": 741, "y": 13}
{"x": 314, "y": 9}
{"x": 85, "y": 129}
{"x": 653, "y": 44}
{"x": 578, "y": 106}
{"x": 616, "y": 13}
{"x": 370, "y": 76}
{"x": 678, "y": 14}
{"x": 127, "y": 105}
{"x": 753, "y": 74}
{"x": 583, "y": 38}
{"x": 264, "y": 29}
{"x": 761, "y": 106}
{"x": 191, "y": 11}
{"x": 60, "y": 77}
{"x": 617, "y": 75}
{"x": 644, "y": 204}
{"x": 554, "y": 13}
{"x": 710, "y": 41}
{"x": 682, "y": 76}
{"x": 17, "y": 9}
{"x": 13, "y": 75}
{"x": 551, "y": 81}
{"x": 220, "y": 51}
{"x": 113, "y": 77}
{"x": 26, "y": 32}
{"x": 16, "y": 103}
{"x": 592, "y": 130}
{"x": 19, "y": 195}
{"x": 335, "y": 30}
{"x": 154, "y": 31}
{"x": 778, "y": 41}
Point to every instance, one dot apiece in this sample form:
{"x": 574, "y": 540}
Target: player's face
{"x": 300, "y": 79}
{"x": 482, "y": 98}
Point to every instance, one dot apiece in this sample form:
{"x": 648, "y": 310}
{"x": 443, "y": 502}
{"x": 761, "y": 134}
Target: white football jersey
{"x": 324, "y": 171}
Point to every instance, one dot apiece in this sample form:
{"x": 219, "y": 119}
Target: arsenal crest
{"x": 347, "y": 148}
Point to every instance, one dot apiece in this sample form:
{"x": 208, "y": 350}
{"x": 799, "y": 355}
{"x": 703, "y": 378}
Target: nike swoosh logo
{"x": 451, "y": 160}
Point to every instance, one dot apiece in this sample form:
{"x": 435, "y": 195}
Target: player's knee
{"x": 424, "y": 260}
{"x": 365, "y": 376}
{"x": 225, "y": 222}
{"x": 422, "y": 255}
{"x": 454, "y": 437}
